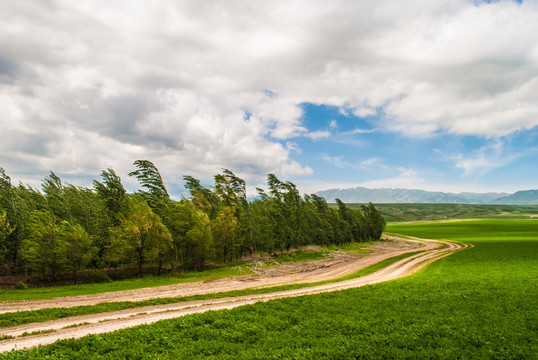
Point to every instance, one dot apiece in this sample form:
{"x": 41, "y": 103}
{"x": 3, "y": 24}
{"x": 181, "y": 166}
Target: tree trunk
{"x": 75, "y": 280}
{"x": 140, "y": 262}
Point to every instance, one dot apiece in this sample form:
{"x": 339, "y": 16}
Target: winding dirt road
{"x": 312, "y": 271}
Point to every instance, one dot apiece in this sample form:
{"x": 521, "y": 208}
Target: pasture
{"x": 418, "y": 212}
{"x": 476, "y": 303}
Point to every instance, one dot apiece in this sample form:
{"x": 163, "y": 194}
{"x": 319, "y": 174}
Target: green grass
{"x": 479, "y": 303}
{"x": 119, "y": 285}
{"x": 38, "y": 332}
{"x": 416, "y": 212}
{"x": 487, "y": 230}
{"x": 25, "y": 317}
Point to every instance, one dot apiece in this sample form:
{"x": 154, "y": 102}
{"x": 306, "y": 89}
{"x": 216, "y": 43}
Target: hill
{"x": 364, "y": 195}
{"x": 526, "y": 197}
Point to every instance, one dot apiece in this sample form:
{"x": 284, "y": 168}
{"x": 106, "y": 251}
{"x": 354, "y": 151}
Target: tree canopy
{"x": 65, "y": 229}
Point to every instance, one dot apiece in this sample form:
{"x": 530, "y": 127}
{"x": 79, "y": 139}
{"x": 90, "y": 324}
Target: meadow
{"x": 477, "y": 303}
{"x": 418, "y": 212}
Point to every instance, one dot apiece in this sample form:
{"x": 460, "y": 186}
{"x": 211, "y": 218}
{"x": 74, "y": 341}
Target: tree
{"x": 345, "y": 213}
{"x": 149, "y": 177}
{"x": 112, "y": 198}
{"x": 112, "y": 193}
{"x": 142, "y": 232}
{"x": 43, "y": 250}
{"x": 54, "y": 193}
{"x": 224, "y": 229}
{"x": 78, "y": 247}
{"x": 202, "y": 198}
{"x": 5, "y": 231}
{"x": 199, "y": 239}
{"x": 180, "y": 223}
{"x": 18, "y": 203}
{"x": 374, "y": 221}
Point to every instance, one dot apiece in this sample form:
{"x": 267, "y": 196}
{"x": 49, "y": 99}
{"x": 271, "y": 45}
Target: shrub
{"x": 21, "y": 286}
{"x": 100, "y": 277}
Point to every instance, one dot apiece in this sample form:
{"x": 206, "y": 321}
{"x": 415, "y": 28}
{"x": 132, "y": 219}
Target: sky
{"x": 435, "y": 95}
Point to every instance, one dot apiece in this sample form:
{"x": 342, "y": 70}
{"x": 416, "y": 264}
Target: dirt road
{"x": 319, "y": 270}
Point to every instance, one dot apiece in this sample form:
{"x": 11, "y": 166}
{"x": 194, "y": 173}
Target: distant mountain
{"x": 364, "y": 195}
{"x": 525, "y": 197}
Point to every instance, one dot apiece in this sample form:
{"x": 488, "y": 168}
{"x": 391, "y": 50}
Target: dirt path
{"x": 341, "y": 264}
{"x": 107, "y": 322}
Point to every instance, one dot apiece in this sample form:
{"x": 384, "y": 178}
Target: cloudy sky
{"x": 435, "y": 95}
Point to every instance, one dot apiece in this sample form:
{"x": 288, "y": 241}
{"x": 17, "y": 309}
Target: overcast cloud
{"x": 196, "y": 86}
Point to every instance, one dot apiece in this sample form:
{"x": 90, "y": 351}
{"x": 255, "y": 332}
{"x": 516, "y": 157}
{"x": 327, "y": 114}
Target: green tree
{"x": 352, "y": 229}
{"x": 112, "y": 198}
{"x": 5, "y": 231}
{"x": 142, "y": 232}
{"x": 224, "y": 229}
{"x": 112, "y": 193}
{"x": 180, "y": 223}
{"x": 54, "y": 194}
{"x": 43, "y": 250}
{"x": 149, "y": 177}
{"x": 199, "y": 239}
{"x": 202, "y": 198}
{"x": 78, "y": 247}
{"x": 18, "y": 203}
{"x": 374, "y": 221}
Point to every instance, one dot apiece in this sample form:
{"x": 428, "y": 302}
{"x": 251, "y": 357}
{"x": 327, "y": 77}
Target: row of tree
{"x": 65, "y": 228}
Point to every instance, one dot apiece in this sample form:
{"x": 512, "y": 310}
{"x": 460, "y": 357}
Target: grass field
{"x": 25, "y": 317}
{"x": 416, "y": 212}
{"x": 477, "y": 303}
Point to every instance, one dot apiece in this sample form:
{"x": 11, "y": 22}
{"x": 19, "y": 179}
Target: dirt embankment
{"x": 311, "y": 271}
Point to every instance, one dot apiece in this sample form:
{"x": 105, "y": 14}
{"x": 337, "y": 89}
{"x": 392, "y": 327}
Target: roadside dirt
{"x": 311, "y": 271}
{"x": 340, "y": 264}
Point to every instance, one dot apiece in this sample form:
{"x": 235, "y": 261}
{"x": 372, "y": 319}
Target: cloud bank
{"x": 197, "y": 86}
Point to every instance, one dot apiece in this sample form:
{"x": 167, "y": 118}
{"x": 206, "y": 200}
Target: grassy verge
{"x": 479, "y": 303}
{"x": 228, "y": 270}
{"x": 25, "y": 317}
{"x": 120, "y": 285}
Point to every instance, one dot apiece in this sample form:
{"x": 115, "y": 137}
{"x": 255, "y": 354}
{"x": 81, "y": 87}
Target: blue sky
{"x": 347, "y": 151}
{"x": 437, "y": 95}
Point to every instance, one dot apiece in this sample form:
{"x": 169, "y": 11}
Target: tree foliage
{"x": 65, "y": 229}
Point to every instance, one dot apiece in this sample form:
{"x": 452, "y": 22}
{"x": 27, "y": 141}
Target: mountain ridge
{"x": 400, "y": 195}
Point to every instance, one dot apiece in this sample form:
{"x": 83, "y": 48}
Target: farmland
{"x": 421, "y": 212}
{"x": 477, "y": 303}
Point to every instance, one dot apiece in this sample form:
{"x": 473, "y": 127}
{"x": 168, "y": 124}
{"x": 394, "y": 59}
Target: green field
{"x": 25, "y": 317}
{"x": 476, "y": 303}
{"x": 416, "y": 212}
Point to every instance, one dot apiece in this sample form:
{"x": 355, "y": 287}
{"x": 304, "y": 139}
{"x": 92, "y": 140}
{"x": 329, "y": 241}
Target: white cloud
{"x": 364, "y": 111}
{"x": 316, "y": 135}
{"x": 89, "y": 84}
{"x": 292, "y": 146}
{"x": 337, "y": 161}
{"x": 407, "y": 178}
{"x": 485, "y": 159}
{"x": 362, "y": 131}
